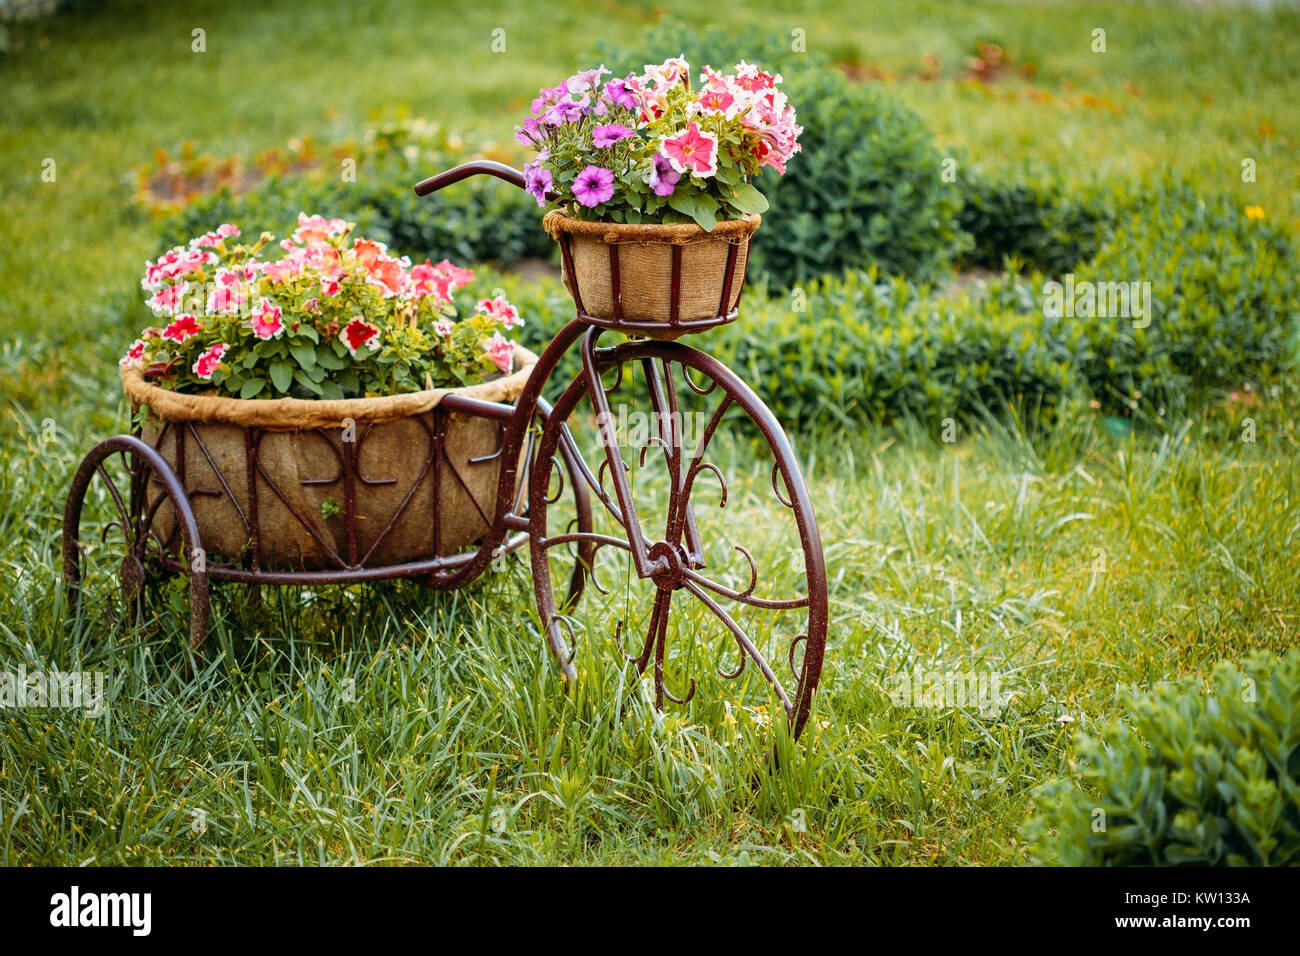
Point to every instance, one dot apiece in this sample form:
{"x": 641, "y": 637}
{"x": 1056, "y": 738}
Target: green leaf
{"x": 699, "y": 208}
{"x": 301, "y": 378}
{"x": 748, "y": 199}
{"x": 252, "y": 387}
{"x": 305, "y": 353}
{"x": 327, "y": 359}
{"x": 281, "y": 376}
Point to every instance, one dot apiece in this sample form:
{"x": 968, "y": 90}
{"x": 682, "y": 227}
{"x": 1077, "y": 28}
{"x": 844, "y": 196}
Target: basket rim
{"x": 557, "y": 221}
{"x": 290, "y": 414}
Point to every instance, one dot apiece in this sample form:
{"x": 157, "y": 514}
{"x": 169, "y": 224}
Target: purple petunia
{"x": 564, "y": 111}
{"x": 593, "y": 186}
{"x": 609, "y": 134}
{"x": 618, "y": 93}
{"x": 530, "y": 133}
{"x": 661, "y": 177}
{"x": 546, "y": 96}
{"x": 537, "y": 181}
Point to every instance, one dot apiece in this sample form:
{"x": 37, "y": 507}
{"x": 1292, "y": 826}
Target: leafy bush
{"x": 473, "y": 221}
{"x": 1204, "y": 779}
{"x": 871, "y": 350}
{"x": 865, "y": 190}
{"x": 1225, "y": 300}
{"x": 1034, "y": 221}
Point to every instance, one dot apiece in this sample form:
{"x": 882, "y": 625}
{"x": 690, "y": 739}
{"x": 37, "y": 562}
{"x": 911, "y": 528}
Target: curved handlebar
{"x": 465, "y": 170}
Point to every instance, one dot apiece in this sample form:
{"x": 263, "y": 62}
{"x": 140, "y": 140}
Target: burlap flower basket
{"x": 633, "y": 285}
{"x": 424, "y": 479}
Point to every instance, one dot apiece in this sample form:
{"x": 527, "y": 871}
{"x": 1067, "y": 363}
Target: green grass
{"x": 1064, "y": 561}
{"x": 980, "y": 557}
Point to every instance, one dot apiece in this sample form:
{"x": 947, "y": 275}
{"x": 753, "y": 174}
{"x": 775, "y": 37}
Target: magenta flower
{"x": 593, "y": 186}
{"x": 530, "y": 132}
{"x": 618, "y": 93}
{"x": 609, "y": 134}
{"x": 565, "y": 111}
{"x": 537, "y": 182}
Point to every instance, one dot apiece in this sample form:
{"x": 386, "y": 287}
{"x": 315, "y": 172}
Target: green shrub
{"x": 1033, "y": 220}
{"x": 473, "y": 221}
{"x": 1193, "y": 778}
{"x": 871, "y": 350}
{"x": 866, "y": 189}
{"x": 1225, "y": 302}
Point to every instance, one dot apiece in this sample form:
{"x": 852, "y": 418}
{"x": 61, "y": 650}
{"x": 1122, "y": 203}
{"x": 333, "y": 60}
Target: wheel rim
{"x": 121, "y": 545}
{"x": 773, "y": 617}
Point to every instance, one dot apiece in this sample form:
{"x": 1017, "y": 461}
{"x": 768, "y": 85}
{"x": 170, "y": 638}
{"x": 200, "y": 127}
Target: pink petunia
{"x": 501, "y": 310}
{"x": 444, "y": 327}
{"x": 230, "y": 296}
{"x": 266, "y": 320}
{"x": 134, "y": 354}
{"x": 501, "y": 351}
{"x": 209, "y": 361}
{"x": 167, "y": 299}
{"x": 692, "y": 151}
{"x": 359, "y": 333}
{"x": 185, "y": 327}
{"x": 717, "y": 101}
{"x": 316, "y": 229}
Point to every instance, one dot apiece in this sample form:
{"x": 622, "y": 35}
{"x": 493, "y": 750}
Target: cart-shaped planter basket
{"x": 435, "y": 485}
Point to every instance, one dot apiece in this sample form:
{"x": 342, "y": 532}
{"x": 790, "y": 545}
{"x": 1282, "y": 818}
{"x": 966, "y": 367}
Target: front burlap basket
{"x": 412, "y": 499}
{"x": 645, "y": 269}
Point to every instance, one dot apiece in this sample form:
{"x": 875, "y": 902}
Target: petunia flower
{"x": 660, "y": 175}
{"x": 585, "y": 80}
{"x": 692, "y": 151}
{"x": 134, "y": 354}
{"x": 185, "y": 327}
{"x": 315, "y": 229}
{"x": 619, "y": 93}
{"x": 500, "y": 309}
{"x": 359, "y": 333}
{"x": 501, "y": 351}
{"x": 609, "y": 134}
{"x": 593, "y": 186}
{"x": 265, "y": 320}
{"x": 538, "y": 182}
{"x": 209, "y": 361}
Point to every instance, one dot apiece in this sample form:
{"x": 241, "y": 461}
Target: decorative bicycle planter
{"x": 434, "y": 485}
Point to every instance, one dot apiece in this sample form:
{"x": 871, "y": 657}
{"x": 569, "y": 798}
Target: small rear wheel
{"x": 128, "y": 530}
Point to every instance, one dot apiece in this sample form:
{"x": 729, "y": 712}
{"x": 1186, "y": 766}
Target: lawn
{"x": 389, "y": 724}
